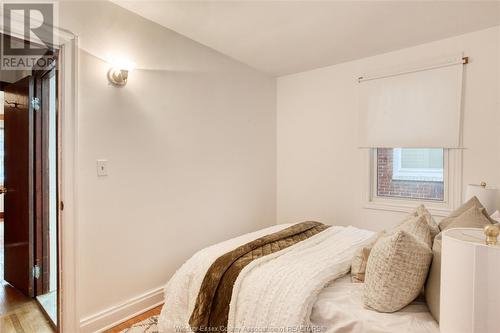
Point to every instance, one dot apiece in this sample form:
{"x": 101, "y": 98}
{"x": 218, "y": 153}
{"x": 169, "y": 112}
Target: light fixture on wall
{"x": 118, "y": 73}
{"x": 117, "y": 76}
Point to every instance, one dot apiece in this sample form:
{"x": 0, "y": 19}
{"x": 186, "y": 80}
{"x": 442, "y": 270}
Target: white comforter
{"x": 275, "y": 291}
{"x": 339, "y": 307}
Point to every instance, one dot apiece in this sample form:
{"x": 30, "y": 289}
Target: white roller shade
{"x": 419, "y": 108}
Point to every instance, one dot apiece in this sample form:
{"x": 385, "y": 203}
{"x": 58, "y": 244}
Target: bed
{"x": 288, "y": 278}
{"x": 339, "y": 307}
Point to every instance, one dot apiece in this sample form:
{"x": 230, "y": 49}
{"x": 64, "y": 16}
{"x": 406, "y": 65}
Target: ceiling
{"x": 283, "y": 37}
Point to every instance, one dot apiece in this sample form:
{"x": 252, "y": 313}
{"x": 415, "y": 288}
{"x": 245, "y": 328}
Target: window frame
{"x": 452, "y": 178}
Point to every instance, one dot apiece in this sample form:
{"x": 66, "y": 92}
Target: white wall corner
{"x": 119, "y": 313}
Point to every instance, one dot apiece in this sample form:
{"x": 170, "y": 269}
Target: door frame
{"x": 67, "y": 43}
{"x": 42, "y": 175}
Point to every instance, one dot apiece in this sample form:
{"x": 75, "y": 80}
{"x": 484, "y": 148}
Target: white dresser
{"x": 470, "y": 283}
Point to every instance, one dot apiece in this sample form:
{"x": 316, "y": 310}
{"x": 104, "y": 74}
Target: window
{"x": 411, "y": 173}
{"x": 417, "y": 164}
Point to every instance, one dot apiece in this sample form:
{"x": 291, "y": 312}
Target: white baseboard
{"x": 122, "y": 312}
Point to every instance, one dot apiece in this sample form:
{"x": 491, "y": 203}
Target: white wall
{"x": 320, "y": 169}
{"x": 190, "y": 142}
{"x": 191, "y": 145}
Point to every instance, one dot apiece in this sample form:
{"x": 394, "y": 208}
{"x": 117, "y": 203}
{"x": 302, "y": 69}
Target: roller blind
{"x": 416, "y": 108}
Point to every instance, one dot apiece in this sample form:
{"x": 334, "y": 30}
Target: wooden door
{"x": 18, "y": 199}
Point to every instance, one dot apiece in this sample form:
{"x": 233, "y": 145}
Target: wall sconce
{"x": 118, "y": 73}
{"x": 118, "y": 77}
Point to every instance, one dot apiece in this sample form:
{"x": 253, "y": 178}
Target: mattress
{"x": 339, "y": 308}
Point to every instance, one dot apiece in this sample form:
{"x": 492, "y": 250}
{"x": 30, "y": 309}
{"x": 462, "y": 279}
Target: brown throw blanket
{"x": 212, "y": 304}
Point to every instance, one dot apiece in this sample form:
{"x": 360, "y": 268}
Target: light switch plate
{"x": 102, "y": 167}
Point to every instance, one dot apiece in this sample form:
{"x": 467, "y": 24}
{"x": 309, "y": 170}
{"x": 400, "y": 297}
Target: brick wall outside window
{"x": 387, "y": 187}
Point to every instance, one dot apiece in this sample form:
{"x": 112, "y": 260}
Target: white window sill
{"x": 439, "y": 209}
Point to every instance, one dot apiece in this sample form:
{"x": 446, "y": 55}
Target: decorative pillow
{"x": 396, "y": 271}
{"x": 474, "y": 217}
{"x": 432, "y": 287}
{"x": 413, "y": 224}
{"x": 358, "y": 264}
{"x": 495, "y": 217}
{"x": 408, "y": 217}
{"x": 418, "y": 228}
{"x": 472, "y": 202}
{"x": 422, "y": 211}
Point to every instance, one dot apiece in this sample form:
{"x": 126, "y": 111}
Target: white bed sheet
{"x": 340, "y": 309}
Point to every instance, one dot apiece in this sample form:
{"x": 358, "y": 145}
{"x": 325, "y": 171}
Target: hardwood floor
{"x": 10, "y": 298}
{"x": 27, "y": 318}
{"x": 130, "y": 322}
{"x": 18, "y": 313}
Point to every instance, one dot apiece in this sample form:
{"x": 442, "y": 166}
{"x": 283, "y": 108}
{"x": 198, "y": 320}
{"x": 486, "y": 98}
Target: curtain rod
{"x": 463, "y": 61}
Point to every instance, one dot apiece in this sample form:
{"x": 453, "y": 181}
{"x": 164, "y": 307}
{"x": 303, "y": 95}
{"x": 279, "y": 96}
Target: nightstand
{"x": 470, "y": 283}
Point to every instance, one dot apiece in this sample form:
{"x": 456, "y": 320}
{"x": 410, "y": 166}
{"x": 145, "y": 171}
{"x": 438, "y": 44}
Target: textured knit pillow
{"x": 474, "y": 217}
{"x": 417, "y": 227}
{"x": 422, "y": 211}
{"x": 396, "y": 271}
{"x": 413, "y": 224}
{"x": 472, "y": 202}
{"x": 358, "y": 264}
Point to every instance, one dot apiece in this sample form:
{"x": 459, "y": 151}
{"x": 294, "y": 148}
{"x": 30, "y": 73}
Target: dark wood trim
{"x": 31, "y": 185}
{"x": 39, "y": 174}
{"x": 45, "y": 108}
{"x": 43, "y": 244}
{"x": 42, "y": 176}
{"x": 39, "y": 73}
{"x": 3, "y": 84}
